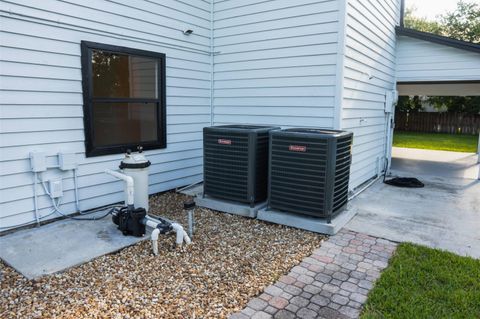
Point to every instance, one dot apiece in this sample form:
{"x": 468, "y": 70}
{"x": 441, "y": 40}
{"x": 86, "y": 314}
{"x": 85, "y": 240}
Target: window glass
{"x": 124, "y": 99}
{"x": 117, "y": 75}
{"x": 124, "y": 123}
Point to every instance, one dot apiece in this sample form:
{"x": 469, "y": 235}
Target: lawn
{"x": 436, "y": 141}
{"x": 426, "y": 283}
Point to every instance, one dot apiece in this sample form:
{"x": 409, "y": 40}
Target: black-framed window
{"x": 124, "y": 100}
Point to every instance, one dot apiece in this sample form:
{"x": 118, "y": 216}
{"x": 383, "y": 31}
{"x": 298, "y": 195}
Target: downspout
{"x": 212, "y": 62}
{"x": 340, "y": 65}
{"x": 390, "y": 117}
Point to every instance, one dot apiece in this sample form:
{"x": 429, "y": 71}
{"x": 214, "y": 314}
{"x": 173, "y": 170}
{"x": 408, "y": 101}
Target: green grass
{"x": 436, "y": 141}
{"x": 426, "y": 283}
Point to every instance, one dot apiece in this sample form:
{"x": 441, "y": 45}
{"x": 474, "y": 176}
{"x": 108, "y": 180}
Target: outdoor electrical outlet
{"x": 56, "y": 189}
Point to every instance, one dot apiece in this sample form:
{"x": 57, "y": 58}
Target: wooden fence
{"x": 452, "y": 123}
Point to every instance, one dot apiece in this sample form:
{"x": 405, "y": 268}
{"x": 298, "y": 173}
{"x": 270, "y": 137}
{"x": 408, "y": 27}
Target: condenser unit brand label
{"x": 297, "y": 148}
{"x": 224, "y": 141}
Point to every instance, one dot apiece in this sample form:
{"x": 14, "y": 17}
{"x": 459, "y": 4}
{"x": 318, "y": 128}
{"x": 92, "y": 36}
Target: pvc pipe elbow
{"x": 155, "y": 234}
{"x": 179, "y": 231}
{"x": 130, "y": 189}
{"x": 186, "y": 238}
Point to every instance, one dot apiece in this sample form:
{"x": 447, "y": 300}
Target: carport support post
{"x": 478, "y": 153}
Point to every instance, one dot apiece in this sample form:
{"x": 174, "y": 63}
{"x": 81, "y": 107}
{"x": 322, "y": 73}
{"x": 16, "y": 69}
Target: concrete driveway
{"x": 418, "y": 162}
{"x": 445, "y": 214}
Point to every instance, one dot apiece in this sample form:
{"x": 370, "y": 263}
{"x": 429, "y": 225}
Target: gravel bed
{"x": 231, "y": 260}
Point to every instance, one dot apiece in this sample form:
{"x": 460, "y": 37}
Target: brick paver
{"x": 331, "y": 283}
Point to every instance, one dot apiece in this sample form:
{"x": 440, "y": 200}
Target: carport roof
{"x": 426, "y": 36}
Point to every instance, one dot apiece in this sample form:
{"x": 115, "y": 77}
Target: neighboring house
{"x": 430, "y": 108}
{"x": 315, "y": 63}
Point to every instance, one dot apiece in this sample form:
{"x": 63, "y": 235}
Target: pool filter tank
{"x": 132, "y": 219}
{"x": 137, "y": 166}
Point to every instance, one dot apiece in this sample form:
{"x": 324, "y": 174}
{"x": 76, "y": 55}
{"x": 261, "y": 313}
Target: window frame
{"x": 88, "y": 99}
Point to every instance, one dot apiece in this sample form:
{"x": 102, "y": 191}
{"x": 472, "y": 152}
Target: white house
{"x": 319, "y": 63}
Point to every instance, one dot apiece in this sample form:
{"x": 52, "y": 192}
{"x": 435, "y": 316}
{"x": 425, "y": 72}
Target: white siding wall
{"x": 419, "y": 60}
{"x": 276, "y": 62}
{"x": 41, "y": 93}
{"x": 369, "y": 71}
{"x": 280, "y": 62}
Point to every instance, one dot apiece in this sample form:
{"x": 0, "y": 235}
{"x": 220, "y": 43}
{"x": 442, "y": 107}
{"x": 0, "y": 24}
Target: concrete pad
{"x": 194, "y": 190}
{"x": 444, "y": 214}
{"x": 228, "y": 206}
{"x": 418, "y": 162}
{"x": 60, "y": 245}
{"x": 310, "y": 223}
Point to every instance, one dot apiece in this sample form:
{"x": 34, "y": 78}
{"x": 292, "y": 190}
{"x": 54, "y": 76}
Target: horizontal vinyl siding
{"x": 41, "y": 94}
{"x": 419, "y": 60}
{"x": 275, "y": 62}
{"x": 369, "y": 71}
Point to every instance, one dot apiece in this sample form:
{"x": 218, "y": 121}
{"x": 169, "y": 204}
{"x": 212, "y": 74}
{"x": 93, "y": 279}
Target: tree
{"x": 410, "y": 20}
{"x": 457, "y": 104}
{"x": 409, "y": 104}
{"x": 461, "y": 24}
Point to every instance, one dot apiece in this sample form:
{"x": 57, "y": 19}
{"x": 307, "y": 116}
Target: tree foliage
{"x": 409, "y": 104}
{"x": 410, "y": 20}
{"x": 457, "y": 104}
{"x": 461, "y": 24}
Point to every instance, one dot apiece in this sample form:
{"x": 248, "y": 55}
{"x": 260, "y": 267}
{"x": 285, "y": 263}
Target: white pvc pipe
{"x": 35, "y": 195}
{"x": 187, "y": 239}
{"x": 180, "y": 233}
{"x": 75, "y": 185}
{"x": 150, "y": 223}
{"x": 364, "y": 188}
{"x": 130, "y": 188}
{"x": 155, "y": 234}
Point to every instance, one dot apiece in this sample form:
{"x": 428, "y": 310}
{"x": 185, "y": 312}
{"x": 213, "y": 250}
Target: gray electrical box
{"x": 67, "y": 161}
{"x": 38, "y": 161}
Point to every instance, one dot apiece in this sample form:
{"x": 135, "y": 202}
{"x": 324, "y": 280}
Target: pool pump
{"x": 133, "y": 219}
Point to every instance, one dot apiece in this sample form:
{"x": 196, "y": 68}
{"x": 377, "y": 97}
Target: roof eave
{"x": 438, "y": 39}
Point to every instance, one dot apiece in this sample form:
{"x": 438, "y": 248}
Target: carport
{"x": 446, "y": 212}
{"x": 432, "y": 65}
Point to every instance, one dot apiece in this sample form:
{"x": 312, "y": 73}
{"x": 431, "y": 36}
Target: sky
{"x": 431, "y": 8}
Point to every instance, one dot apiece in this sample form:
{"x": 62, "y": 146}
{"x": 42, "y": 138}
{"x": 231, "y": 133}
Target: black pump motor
{"x": 129, "y": 221}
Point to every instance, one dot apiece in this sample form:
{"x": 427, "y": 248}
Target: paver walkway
{"x": 331, "y": 283}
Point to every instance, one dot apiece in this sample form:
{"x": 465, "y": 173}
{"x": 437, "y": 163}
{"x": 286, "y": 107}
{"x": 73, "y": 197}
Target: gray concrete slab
{"x": 60, "y": 245}
{"x": 194, "y": 190}
{"x": 445, "y": 214}
{"x": 229, "y": 207}
{"x": 221, "y": 205}
{"x": 417, "y": 162}
{"x": 310, "y": 223}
